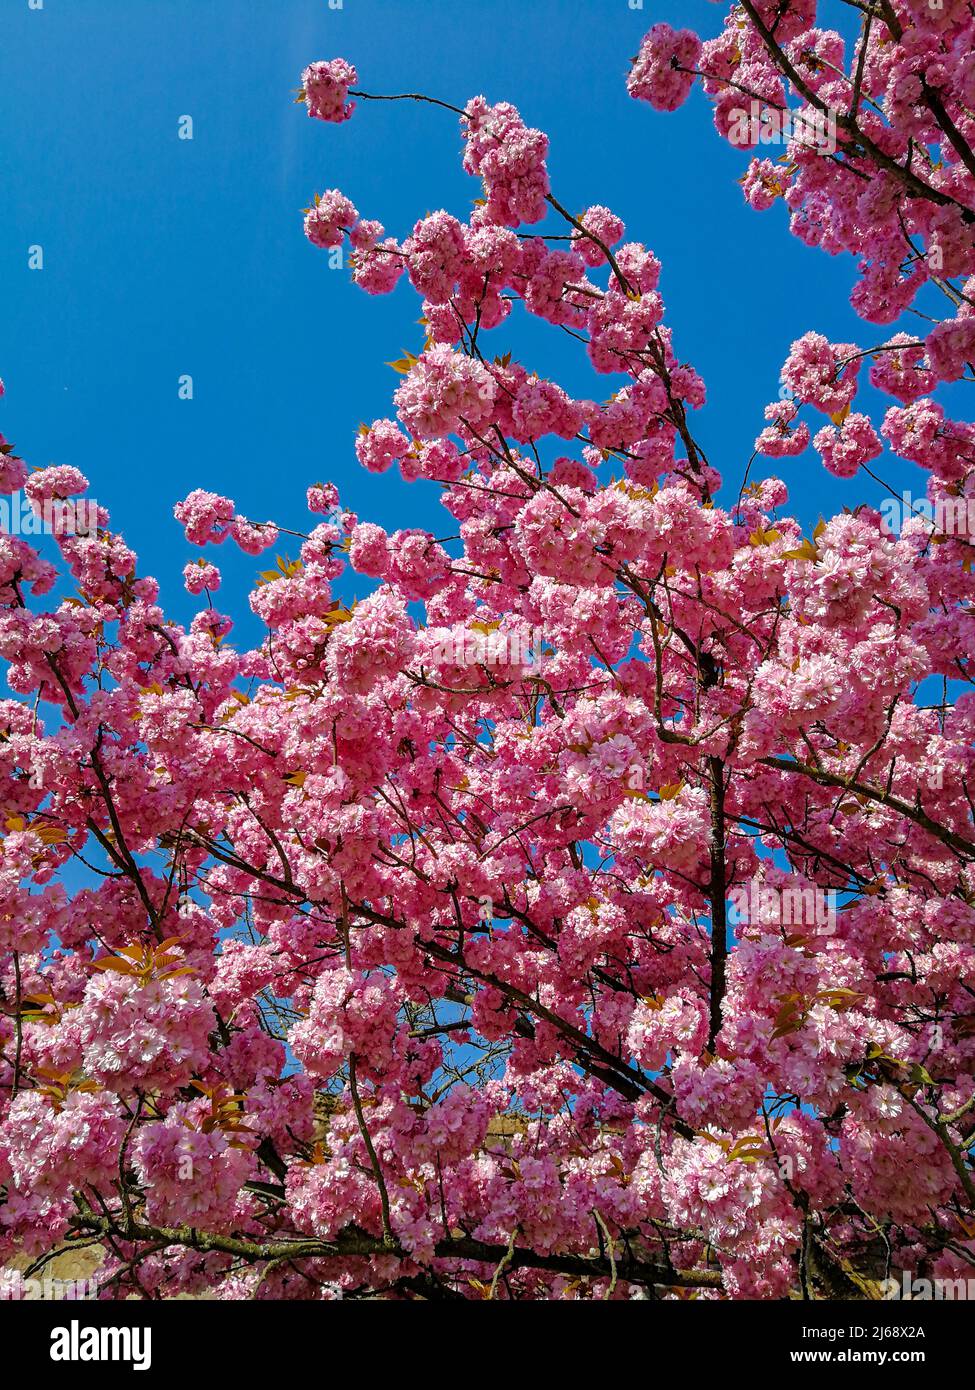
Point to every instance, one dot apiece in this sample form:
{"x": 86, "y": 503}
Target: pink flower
{"x": 56, "y": 1148}
{"x": 821, "y": 373}
{"x": 323, "y": 498}
{"x": 763, "y": 183}
{"x": 253, "y": 537}
{"x": 350, "y": 1011}
{"x": 331, "y": 215}
{"x": 510, "y": 157}
{"x": 435, "y": 256}
{"x": 13, "y": 471}
{"x": 192, "y": 1178}
{"x": 200, "y": 576}
{"x": 783, "y": 438}
{"x": 205, "y": 517}
{"x": 444, "y": 393}
{"x": 951, "y": 348}
{"x": 378, "y": 268}
{"x": 369, "y": 550}
{"x": 844, "y": 448}
{"x": 656, "y": 1029}
{"x": 603, "y": 224}
{"x": 662, "y": 71}
{"x": 326, "y": 89}
{"x": 147, "y": 1036}
{"x": 380, "y": 446}
{"x": 900, "y": 369}
{"x": 58, "y": 481}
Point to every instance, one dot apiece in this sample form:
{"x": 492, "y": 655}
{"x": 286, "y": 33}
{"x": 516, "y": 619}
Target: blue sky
{"x": 165, "y": 257}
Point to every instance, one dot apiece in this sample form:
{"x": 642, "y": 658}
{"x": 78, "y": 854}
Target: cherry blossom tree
{"x": 588, "y": 912}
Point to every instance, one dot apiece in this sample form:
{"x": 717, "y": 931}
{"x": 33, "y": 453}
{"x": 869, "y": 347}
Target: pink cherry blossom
{"x": 572, "y": 898}
{"x": 325, "y": 86}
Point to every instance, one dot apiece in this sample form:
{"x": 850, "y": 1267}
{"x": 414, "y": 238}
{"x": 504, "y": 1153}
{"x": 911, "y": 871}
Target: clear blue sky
{"x": 165, "y": 257}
